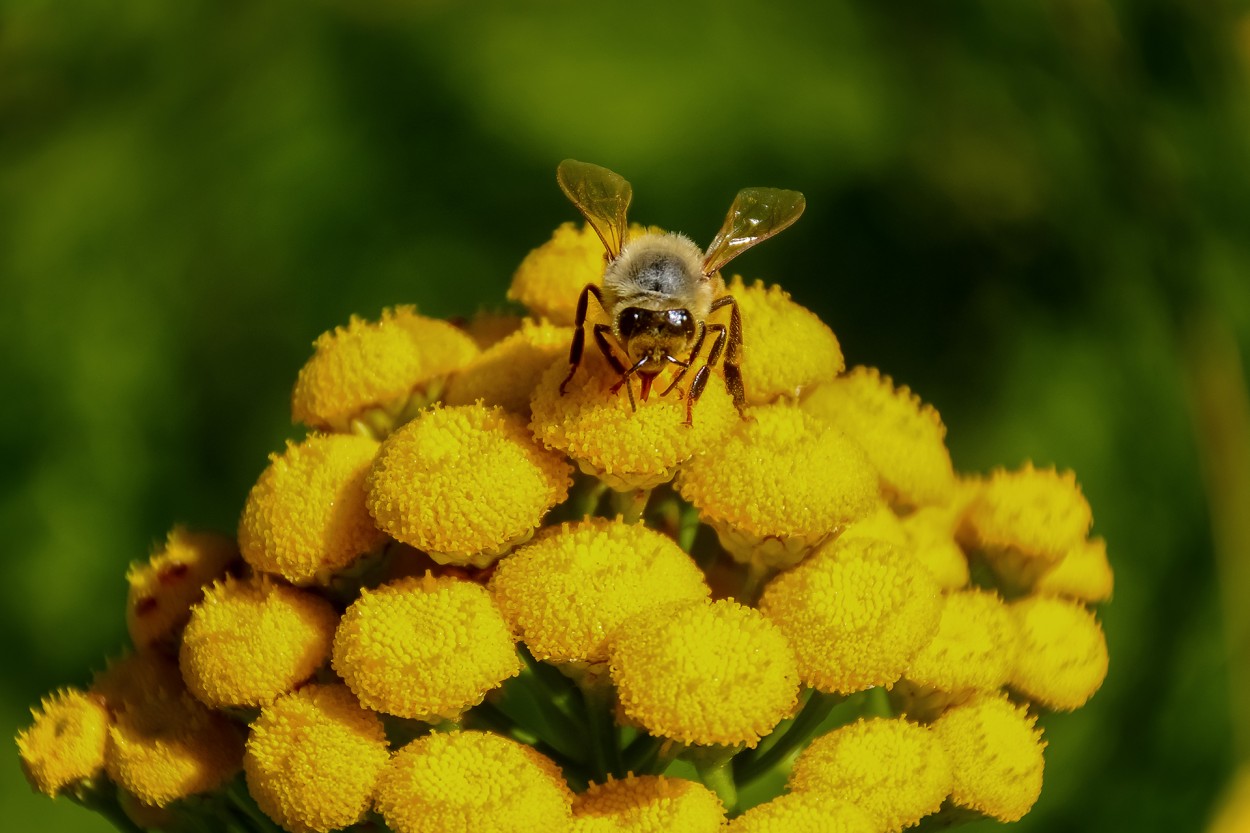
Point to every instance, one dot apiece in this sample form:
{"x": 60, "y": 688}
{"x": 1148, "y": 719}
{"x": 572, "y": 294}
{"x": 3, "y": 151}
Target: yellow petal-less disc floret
{"x": 65, "y": 742}
{"x": 464, "y": 484}
{"x": 930, "y": 532}
{"x": 995, "y": 751}
{"x": 805, "y": 813}
{"x": 856, "y": 612}
{"x": 163, "y": 588}
{"x": 626, "y": 448}
{"x": 780, "y": 484}
{"x": 612, "y": 569}
{"x": 424, "y": 648}
{"x": 1084, "y": 573}
{"x": 1062, "y": 659}
{"x": 506, "y": 373}
{"x": 704, "y": 673}
{"x": 1039, "y": 512}
{"x": 648, "y": 804}
{"x": 313, "y": 759}
{"x": 786, "y": 348}
{"x": 550, "y": 277}
{"x": 895, "y": 770}
{"x": 306, "y": 515}
{"x": 974, "y": 647}
{"x": 472, "y": 781}
{"x": 905, "y": 439}
{"x": 249, "y": 641}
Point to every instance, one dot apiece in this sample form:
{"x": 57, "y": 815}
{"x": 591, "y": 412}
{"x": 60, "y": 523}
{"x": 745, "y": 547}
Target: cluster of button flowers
{"x": 468, "y": 601}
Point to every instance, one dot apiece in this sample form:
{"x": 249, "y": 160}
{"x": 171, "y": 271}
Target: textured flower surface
{"x": 507, "y": 581}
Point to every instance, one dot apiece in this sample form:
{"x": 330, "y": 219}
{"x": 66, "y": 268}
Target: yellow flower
{"x": 626, "y": 448}
{"x": 488, "y": 328}
{"x": 1083, "y": 574}
{"x": 1038, "y": 512}
{"x": 424, "y": 648}
{"x": 786, "y": 348}
{"x": 856, "y": 612}
{"x": 974, "y": 647}
{"x": 472, "y": 781}
{"x": 930, "y": 532}
{"x": 163, "y": 589}
{"x": 779, "y": 485}
{"x": 805, "y": 813}
{"x": 377, "y": 365}
{"x": 612, "y": 569}
{"x": 550, "y": 277}
{"x": 134, "y": 677}
{"x": 880, "y": 524}
{"x": 506, "y": 373}
{"x": 65, "y": 743}
{"x": 648, "y": 804}
{"x": 306, "y": 516}
{"x": 704, "y": 673}
{"x": 249, "y": 641}
{"x": 313, "y": 759}
{"x": 905, "y": 439}
{"x": 465, "y": 484}
{"x": 895, "y": 770}
{"x": 1062, "y": 658}
{"x": 996, "y": 756}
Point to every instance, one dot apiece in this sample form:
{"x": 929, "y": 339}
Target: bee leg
{"x": 694, "y": 353}
{"x": 579, "y": 331}
{"x": 624, "y": 380}
{"x": 700, "y": 377}
{"x": 733, "y": 353}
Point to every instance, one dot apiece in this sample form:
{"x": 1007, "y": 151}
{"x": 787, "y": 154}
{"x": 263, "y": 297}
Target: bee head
{"x": 655, "y": 332}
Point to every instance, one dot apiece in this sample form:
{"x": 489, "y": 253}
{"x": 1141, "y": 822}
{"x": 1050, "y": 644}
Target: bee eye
{"x": 680, "y": 321}
{"x": 630, "y": 321}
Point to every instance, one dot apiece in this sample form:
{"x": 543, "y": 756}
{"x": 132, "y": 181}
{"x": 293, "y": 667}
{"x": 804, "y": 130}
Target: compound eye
{"x": 630, "y": 321}
{"x": 680, "y": 321}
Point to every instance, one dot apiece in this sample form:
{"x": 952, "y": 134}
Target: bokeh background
{"x": 1033, "y": 213}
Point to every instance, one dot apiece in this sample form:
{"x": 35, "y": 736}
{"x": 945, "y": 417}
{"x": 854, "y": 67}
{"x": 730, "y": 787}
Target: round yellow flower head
{"x": 857, "y": 612}
{"x": 249, "y": 641}
{"x": 136, "y": 677}
{"x": 488, "y": 328}
{"x": 1062, "y": 658}
{"x": 648, "y": 804}
{"x": 1083, "y": 574}
{"x": 424, "y": 648}
{"x": 306, "y": 516}
{"x": 780, "y": 484}
{"x": 163, "y": 589}
{"x": 474, "y": 781}
{"x": 313, "y": 759}
{"x": 930, "y": 532}
{"x": 880, "y": 524}
{"x": 974, "y": 647}
{"x": 786, "y": 348}
{"x": 895, "y": 770}
{"x": 465, "y": 484}
{"x": 65, "y": 743}
{"x": 626, "y": 448}
{"x": 550, "y": 277}
{"x": 704, "y": 673}
{"x": 377, "y": 365}
{"x": 905, "y": 439}
{"x": 506, "y": 373}
{"x": 805, "y": 813}
{"x": 995, "y": 752}
{"x": 609, "y": 570}
{"x": 1038, "y": 512}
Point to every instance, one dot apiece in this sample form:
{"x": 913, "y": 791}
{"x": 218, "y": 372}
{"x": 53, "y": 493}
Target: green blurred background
{"x": 1033, "y": 213}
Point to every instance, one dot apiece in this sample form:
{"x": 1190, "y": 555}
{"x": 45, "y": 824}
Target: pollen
{"x": 705, "y": 673}
{"x": 612, "y": 569}
{"x": 1084, "y": 574}
{"x": 464, "y": 484}
{"x": 313, "y": 759}
{"x": 305, "y": 518}
{"x": 1039, "y": 512}
{"x": 378, "y": 364}
{"x": 424, "y": 648}
{"x": 974, "y": 647}
{"x": 163, "y": 589}
{"x": 505, "y": 374}
{"x": 1062, "y": 658}
{"x": 250, "y": 641}
{"x": 786, "y": 348}
{"x": 895, "y": 770}
{"x": 781, "y": 477}
{"x": 995, "y": 751}
{"x": 805, "y": 813}
{"x": 905, "y": 439}
{"x": 65, "y": 742}
{"x": 857, "y": 612}
{"x": 472, "y": 781}
{"x": 549, "y": 279}
{"x": 625, "y": 448}
{"x": 648, "y": 804}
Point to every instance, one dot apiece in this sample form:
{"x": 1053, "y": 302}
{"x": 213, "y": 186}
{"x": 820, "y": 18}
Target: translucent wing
{"x": 756, "y": 215}
{"x": 602, "y": 196}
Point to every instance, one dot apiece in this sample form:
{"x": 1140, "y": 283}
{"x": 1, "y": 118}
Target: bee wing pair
{"x": 603, "y": 198}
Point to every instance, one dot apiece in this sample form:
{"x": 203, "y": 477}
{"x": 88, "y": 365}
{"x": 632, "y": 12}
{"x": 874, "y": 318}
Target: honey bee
{"x": 660, "y": 289}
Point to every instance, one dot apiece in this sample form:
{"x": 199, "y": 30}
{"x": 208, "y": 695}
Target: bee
{"x": 659, "y": 290}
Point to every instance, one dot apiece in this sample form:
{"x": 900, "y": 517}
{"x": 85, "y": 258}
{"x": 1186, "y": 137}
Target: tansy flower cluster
{"x": 480, "y": 593}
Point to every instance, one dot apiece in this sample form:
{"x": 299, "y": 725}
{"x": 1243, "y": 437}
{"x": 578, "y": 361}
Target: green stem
{"x": 756, "y": 576}
{"x": 689, "y": 527}
{"x": 523, "y": 701}
{"x": 641, "y": 756}
{"x": 600, "y": 700}
{"x": 800, "y": 733}
{"x": 877, "y": 703}
{"x": 240, "y": 799}
{"x": 586, "y": 497}
{"x": 100, "y": 796}
{"x": 717, "y": 775}
{"x": 631, "y": 505}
